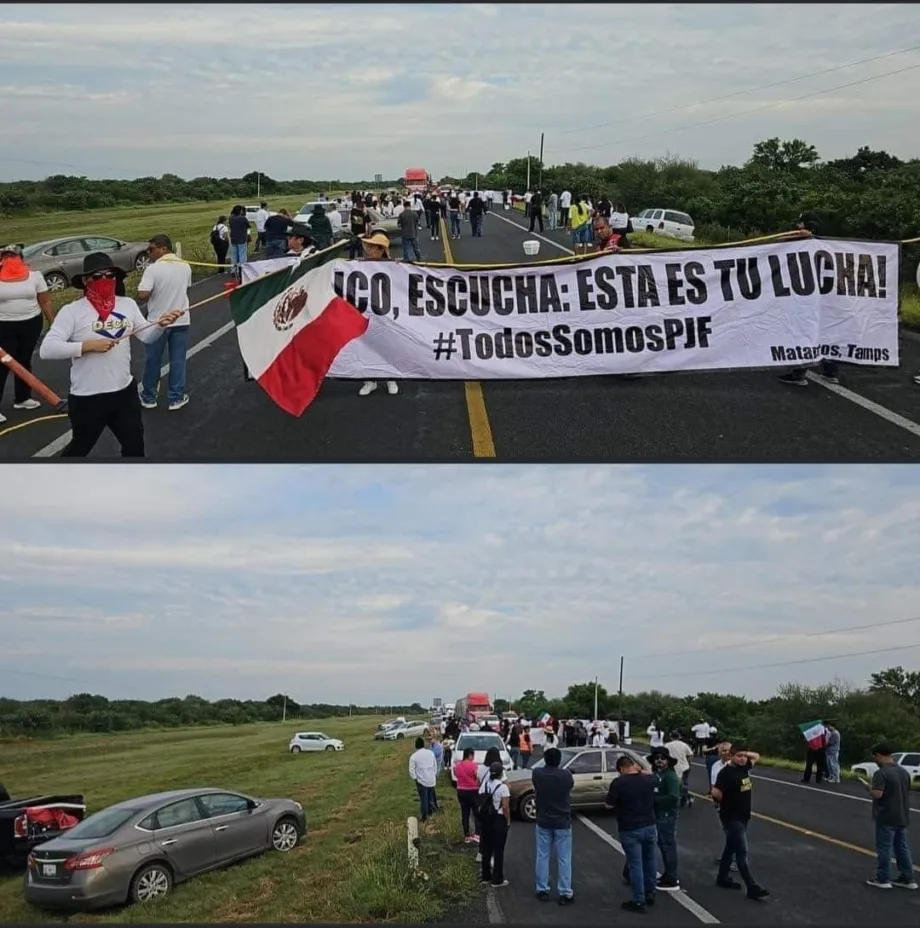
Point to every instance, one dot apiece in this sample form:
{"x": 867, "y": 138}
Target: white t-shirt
{"x": 654, "y": 736}
{"x": 619, "y": 221}
{"x": 598, "y": 740}
{"x": 498, "y": 790}
{"x": 260, "y": 217}
{"x": 682, "y": 753}
{"x": 168, "y": 280}
{"x": 223, "y": 231}
{"x": 19, "y": 299}
{"x": 96, "y": 373}
{"x": 423, "y": 767}
{"x": 565, "y": 201}
{"x": 716, "y": 769}
{"x": 701, "y": 730}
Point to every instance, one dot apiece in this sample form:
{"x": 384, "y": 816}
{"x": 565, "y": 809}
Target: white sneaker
{"x": 178, "y": 404}
{"x": 27, "y": 404}
{"x": 368, "y": 388}
{"x": 147, "y": 404}
{"x": 392, "y": 387}
{"x": 2, "y": 417}
{"x": 878, "y": 884}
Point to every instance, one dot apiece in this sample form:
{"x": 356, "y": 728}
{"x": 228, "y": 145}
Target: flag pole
{"x": 595, "y": 699}
{"x": 44, "y": 391}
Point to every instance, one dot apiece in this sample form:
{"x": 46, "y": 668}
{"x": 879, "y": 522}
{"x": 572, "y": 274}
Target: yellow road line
{"x": 809, "y": 833}
{"x": 480, "y": 427}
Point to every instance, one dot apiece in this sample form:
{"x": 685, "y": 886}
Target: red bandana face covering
{"x": 13, "y": 269}
{"x": 101, "y": 295}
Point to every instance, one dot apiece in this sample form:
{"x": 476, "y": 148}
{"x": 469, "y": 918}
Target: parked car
{"x": 27, "y": 823}
{"x": 405, "y": 730}
{"x": 336, "y": 217}
{"x": 593, "y": 770}
{"x": 665, "y": 222}
{"x": 314, "y": 741}
{"x": 480, "y": 742}
{"x": 910, "y": 761}
{"x": 137, "y": 850}
{"x": 59, "y": 259}
{"x": 390, "y": 722}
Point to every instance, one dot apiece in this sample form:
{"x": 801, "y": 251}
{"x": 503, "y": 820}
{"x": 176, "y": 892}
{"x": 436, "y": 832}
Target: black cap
{"x": 300, "y": 230}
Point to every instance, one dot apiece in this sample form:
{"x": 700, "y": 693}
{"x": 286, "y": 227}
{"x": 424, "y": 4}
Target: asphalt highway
{"x": 723, "y": 417}
{"x": 811, "y": 847}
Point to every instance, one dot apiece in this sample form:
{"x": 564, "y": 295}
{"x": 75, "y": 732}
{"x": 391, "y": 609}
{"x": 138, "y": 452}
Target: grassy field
{"x": 352, "y": 867}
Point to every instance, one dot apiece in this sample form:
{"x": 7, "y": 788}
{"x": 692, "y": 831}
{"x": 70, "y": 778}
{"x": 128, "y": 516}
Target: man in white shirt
{"x": 260, "y": 217}
{"x": 164, "y": 288}
{"x": 93, "y": 333}
{"x": 423, "y": 769}
{"x": 701, "y": 732}
{"x": 565, "y": 201}
{"x": 683, "y": 754}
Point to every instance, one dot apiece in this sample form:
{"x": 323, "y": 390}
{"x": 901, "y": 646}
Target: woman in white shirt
{"x": 494, "y": 822}
{"x": 24, "y": 300}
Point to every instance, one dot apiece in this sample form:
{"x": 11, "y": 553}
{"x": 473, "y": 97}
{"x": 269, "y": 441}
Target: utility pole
{"x": 621, "y": 687}
{"x": 528, "y": 170}
{"x": 284, "y": 711}
{"x": 540, "y": 185}
{"x": 595, "y": 699}
{"x": 259, "y": 185}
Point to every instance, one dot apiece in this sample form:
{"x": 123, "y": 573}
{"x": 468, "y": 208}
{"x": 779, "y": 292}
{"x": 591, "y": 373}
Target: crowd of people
{"x": 646, "y": 801}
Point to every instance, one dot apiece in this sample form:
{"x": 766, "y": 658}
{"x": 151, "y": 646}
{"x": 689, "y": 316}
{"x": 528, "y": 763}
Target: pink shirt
{"x": 466, "y": 773}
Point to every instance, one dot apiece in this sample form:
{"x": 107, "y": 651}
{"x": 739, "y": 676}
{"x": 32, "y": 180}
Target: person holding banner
{"x": 377, "y": 248}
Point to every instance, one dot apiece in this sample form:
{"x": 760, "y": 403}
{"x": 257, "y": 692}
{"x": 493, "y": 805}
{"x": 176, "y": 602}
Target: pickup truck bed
{"x": 25, "y": 823}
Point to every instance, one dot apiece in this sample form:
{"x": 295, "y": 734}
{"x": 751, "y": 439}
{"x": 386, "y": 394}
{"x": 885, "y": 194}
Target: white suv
{"x": 664, "y": 222}
{"x": 480, "y": 742}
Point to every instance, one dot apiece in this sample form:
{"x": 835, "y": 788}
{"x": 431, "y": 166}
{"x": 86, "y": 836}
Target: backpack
{"x": 216, "y": 240}
{"x": 486, "y": 811}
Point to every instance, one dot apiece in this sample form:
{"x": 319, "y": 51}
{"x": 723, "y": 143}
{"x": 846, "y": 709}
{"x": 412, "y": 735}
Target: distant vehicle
{"x": 336, "y": 216}
{"x": 664, "y": 222}
{"x": 137, "y": 850}
{"x": 473, "y": 706}
{"x": 910, "y": 761}
{"x": 593, "y": 770}
{"x": 27, "y": 823}
{"x": 314, "y": 741}
{"x": 390, "y": 722}
{"x": 416, "y": 179}
{"x": 510, "y": 717}
{"x": 480, "y": 742}
{"x": 381, "y": 733}
{"x": 406, "y": 730}
{"x": 252, "y": 210}
{"x": 58, "y": 260}
{"x": 493, "y": 721}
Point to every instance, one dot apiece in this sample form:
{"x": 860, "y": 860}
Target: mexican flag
{"x": 291, "y": 324}
{"x": 814, "y": 734}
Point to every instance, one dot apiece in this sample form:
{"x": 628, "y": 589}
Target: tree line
{"x": 888, "y": 709}
{"x": 86, "y": 712}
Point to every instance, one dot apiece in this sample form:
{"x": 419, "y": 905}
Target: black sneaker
{"x": 566, "y": 900}
{"x": 633, "y": 906}
{"x": 794, "y": 380}
{"x": 543, "y": 897}
{"x": 669, "y": 886}
{"x": 649, "y": 898}
{"x": 904, "y": 882}
{"x": 728, "y": 884}
{"x": 757, "y": 893}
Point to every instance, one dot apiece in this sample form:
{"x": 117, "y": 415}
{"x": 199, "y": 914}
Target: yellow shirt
{"x": 579, "y": 215}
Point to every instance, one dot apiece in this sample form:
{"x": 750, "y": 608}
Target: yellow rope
{"x": 22, "y": 425}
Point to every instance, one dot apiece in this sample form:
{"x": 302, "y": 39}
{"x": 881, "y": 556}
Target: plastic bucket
{"x": 507, "y": 206}
{"x": 531, "y": 247}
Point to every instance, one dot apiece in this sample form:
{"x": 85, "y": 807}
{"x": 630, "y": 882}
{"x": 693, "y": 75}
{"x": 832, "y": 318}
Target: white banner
{"x": 255, "y": 269}
{"x": 777, "y": 305}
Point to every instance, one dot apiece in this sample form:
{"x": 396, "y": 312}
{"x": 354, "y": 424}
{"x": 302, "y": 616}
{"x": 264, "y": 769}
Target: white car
{"x": 909, "y": 761}
{"x": 480, "y": 742}
{"x": 406, "y": 730}
{"x": 314, "y": 741}
{"x": 335, "y": 216}
{"x": 668, "y": 222}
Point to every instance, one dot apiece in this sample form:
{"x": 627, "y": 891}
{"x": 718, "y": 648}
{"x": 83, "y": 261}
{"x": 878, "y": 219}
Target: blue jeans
{"x": 888, "y": 838}
{"x": 832, "y": 762}
{"x": 667, "y": 844}
{"x": 239, "y": 254}
{"x": 515, "y": 757}
{"x": 410, "y": 247}
{"x": 426, "y": 801}
{"x": 736, "y": 847}
{"x": 176, "y": 339}
{"x": 454, "y": 223}
{"x": 639, "y": 847}
{"x": 560, "y": 841}
{"x": 274, "y": 248}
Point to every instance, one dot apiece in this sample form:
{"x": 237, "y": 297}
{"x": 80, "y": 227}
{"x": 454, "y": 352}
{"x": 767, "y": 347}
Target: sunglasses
{"x": 102, "y": 275}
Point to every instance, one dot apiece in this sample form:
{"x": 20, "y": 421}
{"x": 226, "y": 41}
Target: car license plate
{"x": 49, "y": 870}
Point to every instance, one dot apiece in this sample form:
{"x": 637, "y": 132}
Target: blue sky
{"x": 345, "y": 90}
{"x": 383, "y": 584}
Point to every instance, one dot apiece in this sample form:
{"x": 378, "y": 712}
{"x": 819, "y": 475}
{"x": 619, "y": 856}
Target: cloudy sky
{"x": 382, "y": 585}
{"x": 347, "y": 91}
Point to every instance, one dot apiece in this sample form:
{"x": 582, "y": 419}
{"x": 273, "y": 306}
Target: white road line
{"x": 894, "y": 418}
{"x": 58, "y": 445}
{"x": 494, "y": 909}
{"x": 681, "y": 898}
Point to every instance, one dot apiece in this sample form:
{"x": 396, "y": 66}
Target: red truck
{"x": 417, "y": 179}
{"x": 473, "y": 707}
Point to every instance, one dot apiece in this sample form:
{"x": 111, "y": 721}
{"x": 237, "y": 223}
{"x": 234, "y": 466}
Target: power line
{"x": 741, "y": 93}
{"x": 773, "y": 640}
{"x": 808, "y": 660}
{"x": 759, "y": 109}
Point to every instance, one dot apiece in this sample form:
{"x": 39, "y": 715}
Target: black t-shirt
{"x": 605, "y": 208}
{"x": 239, "y": 230}
{"x": 359, "y": 221}
{"x": 276, "y": 228}
{"x": 476, "y": 207}
{"x": 553, "y": 790}
{"x": 514, "y": 737}
{"x": 633, "y": 800}
{"x": 735, "y": 785}
{"x": 455, "y": 203}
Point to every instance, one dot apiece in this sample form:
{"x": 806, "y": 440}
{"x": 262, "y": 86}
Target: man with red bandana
{"x": 93, "y": 333}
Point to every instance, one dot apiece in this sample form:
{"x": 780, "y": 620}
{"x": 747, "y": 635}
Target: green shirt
{"x": 667, "y": 793}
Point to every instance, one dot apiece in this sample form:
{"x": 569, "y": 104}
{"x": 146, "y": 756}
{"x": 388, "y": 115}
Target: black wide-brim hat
{"x": 299, "y": 230}
{"x": 92, "y": 264}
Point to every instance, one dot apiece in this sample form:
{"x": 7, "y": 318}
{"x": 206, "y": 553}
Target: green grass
{"x": 352, "y": 867}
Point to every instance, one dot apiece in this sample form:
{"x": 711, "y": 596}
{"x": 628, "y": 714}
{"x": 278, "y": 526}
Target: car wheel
{"x": 151, "y": 882}
{"x": 650, "y": 229}
{"x": 285, "y": 835}
{"x": 528, "y": 807}
{"x": 295, "y": 749}
{"x": 141, "y": 262}
{"x": 400, "y": 737}
{"x": 55, "y": 281}
{"x": 330, "y": 747}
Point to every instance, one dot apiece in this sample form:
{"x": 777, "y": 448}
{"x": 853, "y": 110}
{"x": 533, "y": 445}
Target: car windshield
{"x": 101, "y": 824}
{"x": 478, "y": 743}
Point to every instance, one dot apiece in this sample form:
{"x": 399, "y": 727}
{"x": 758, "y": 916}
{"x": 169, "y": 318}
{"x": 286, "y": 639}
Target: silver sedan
{"x": 59, "y": 259}
{"x": 138, "y": 850}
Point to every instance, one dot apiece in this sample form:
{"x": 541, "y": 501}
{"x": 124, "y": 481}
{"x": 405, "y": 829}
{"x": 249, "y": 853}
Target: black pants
{"x": 467, "y": 799}
{"x": 19, "y": 339}
{"x": 536, "y": 216}
{"x": 119, "y": 412}
{"x": 816, "y": 760}
{"x": 492, "y": 841}
{"x": 736, "y": 848}
{"x": 220, "y": 253}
